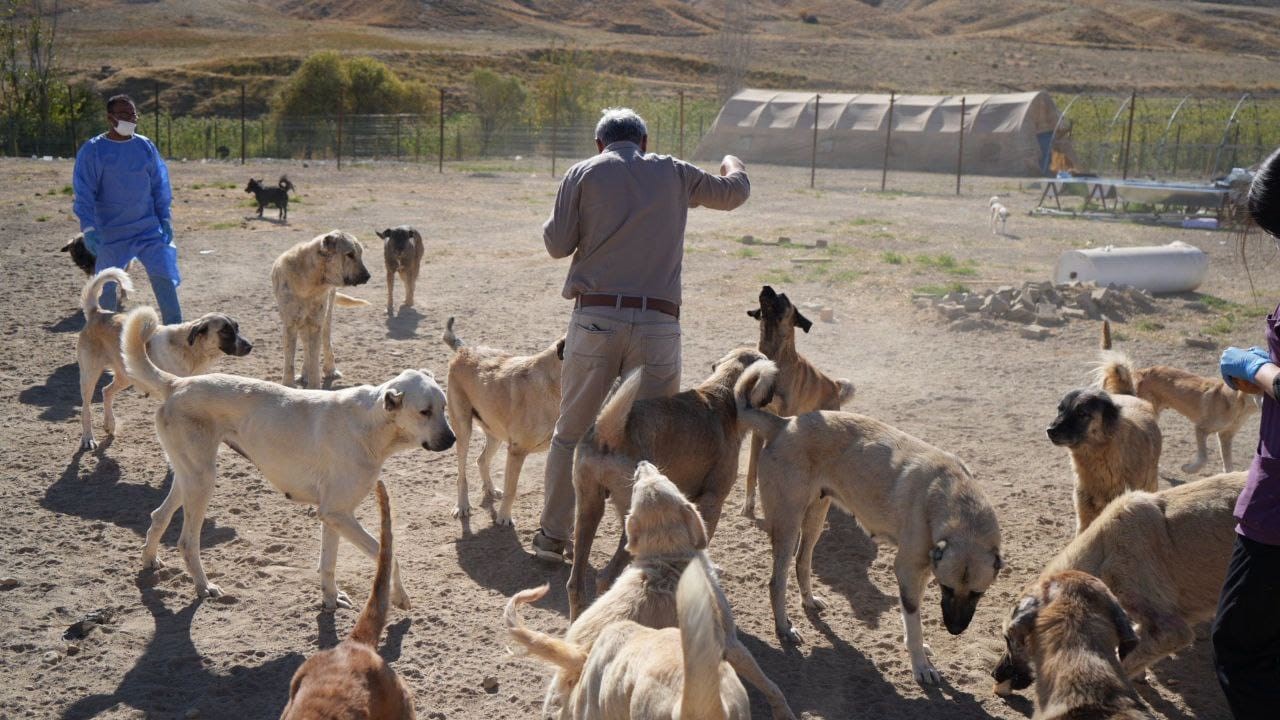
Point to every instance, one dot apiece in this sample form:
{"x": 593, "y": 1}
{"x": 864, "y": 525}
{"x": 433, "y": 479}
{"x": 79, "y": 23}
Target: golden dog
{"x": 801, "y": 387}
{"x": 352, "y": 680}
{"x": 305, "y": 278}
{"x": 402, "y": 252}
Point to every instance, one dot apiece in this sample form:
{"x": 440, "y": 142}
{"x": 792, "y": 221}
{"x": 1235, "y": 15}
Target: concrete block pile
{"x": 1038, "y": 306}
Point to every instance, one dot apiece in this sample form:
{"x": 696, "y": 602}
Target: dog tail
{"x": 847, "y": 391}
{"x": 702, "y": 644}
{"x": 374, "y": 616}
{"x": 285, "y": 184}
{"x": 1115, "y": 373}
{"x": 343, "y": 300}
{"x": 755, "y": 389}
{"x": 139, "y": 325}
{"x": 93, "y": 288}
{"x": 611, "y": 422}
{"x": 1106, "y": 334}
{"x": 453, "y": 341}
{"x": 568, "y": 657}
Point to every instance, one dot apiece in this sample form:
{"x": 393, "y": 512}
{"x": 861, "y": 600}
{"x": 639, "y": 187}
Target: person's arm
{"x": 1266, "y": 379}
{"x": 84, "y": 184}
{"x": 724, "y": 192}
{"x": 560, "y": 232}
{"x": 161, "y": 192}
{"x": 1249, "y": 370}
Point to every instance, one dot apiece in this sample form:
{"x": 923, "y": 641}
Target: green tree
{"x": 499, "y": 101}
{"x": 566, "y": 93}
{"x": 327, "y": 81}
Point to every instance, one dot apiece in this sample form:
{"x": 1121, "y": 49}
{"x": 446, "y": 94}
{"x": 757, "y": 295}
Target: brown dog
{"x": 1114, "y": 443}
{"x": 402, "y": 251}
{"x": 1065, "y": 632}
{"x": 1212, "y": 406}
{"x": 1165, "y": 557}
{"x": 800, "y": 387}
{"x": 80, "y": 254}
{"x": 352, "y": 680}
{"x": 516, "y": 400}
{"x": 305, "y": 278}
{"x": 667, "y": 535}
{"x": 184, "y": 349}
{"x": 694, "y": 436}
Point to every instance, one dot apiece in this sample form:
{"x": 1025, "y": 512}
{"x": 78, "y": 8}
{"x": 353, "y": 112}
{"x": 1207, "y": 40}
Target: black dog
{"x": 278, "y": 196}
{"x": 80, "y": 254}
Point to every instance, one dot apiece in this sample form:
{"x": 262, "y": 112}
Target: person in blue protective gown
{"x": 122, "y": 199}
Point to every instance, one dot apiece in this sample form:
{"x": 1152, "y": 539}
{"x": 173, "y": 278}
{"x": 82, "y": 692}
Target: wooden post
{"x": 243, "y": 138}
{"x": 440, "y": 156}
{"x": 341, "y": 100}
{"x": 813, "y": 150}
{"x": 681, "y": 123}
{"x": 888, "y": 138}
{"x": 1128, "y": 135}
{"x": 960, "y": 152}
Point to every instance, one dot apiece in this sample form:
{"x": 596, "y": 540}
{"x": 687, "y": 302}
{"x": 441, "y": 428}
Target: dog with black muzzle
{"x": 305, "y": 279}
{"x": 1114, "y": 442}
{"x": 903, "y": 492}
{"x": 402, "y": 252}
{"x": 316, "y": 447}
{"x": 278, "y": 196}
{"x": 80, "y": 254}
{"x": 1069, "y": 635}
{"x": 188, "y": 348}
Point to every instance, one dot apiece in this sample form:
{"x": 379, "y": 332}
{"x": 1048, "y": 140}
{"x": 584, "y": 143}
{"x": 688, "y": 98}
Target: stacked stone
{"x": 1038, "y": 306}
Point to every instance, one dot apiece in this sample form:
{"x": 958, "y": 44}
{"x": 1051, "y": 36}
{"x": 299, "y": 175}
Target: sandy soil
{"x": 71, "y": 523}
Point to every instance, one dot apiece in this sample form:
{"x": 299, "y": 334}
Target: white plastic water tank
{"x": 1176, "y": 267}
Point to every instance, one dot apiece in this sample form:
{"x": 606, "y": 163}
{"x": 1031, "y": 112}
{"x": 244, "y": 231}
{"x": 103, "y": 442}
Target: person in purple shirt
{"x": 1246, "y": 632}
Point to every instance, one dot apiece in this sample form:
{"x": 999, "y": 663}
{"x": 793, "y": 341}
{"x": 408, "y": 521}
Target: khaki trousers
{"x": 602, "y": 344}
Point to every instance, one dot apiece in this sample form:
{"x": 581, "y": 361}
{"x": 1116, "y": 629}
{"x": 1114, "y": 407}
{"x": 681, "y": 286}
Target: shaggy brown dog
{"x": 516, "y": 400}
{"x": 402, "y": 252}
{"x": 1114, "y": 443}
{"x": 694, "y": 436}
{"x": 1069, "y": 627}
{"x": 352, "y": 680}
{"x": 800, "y": 387}
{"x": 1165, "y": 557}
{"x": 305, "y": 279}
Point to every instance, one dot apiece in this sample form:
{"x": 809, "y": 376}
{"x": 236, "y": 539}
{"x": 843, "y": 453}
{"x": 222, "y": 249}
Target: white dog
{"x": 999, "y": 213}
{"x": 320, "y": 448}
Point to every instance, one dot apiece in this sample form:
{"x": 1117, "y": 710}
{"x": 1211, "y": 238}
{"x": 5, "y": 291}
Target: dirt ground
{"x": 72, "y": 523}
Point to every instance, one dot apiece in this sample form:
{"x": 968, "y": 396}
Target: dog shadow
{"x": 327, "y": 635}
{"x": 59, "y": 394}
{"x": 404, "y": 324}
{"x": 99, "y": 495}
{"x": 264, "y": 218}
{"x": 71, "y": 323}
{"x": 149, "y": 687}
{"x": 494, "y": 558}
{"x": 841, "y": 559}
{"x": 840, "y": 681}
{"x": 1190, "y": 675}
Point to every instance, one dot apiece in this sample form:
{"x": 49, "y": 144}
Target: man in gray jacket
{"x": 621, "y": 214}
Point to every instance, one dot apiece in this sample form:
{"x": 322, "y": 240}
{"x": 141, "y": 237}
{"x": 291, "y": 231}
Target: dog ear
{"x": 1023, "y": 620}
{"x": 767, "y": 292}
{"x": 67, "y": 247}
{"x": 330, "y": 242}
{"x": 1124, "y": 628}
{"x": 800, "y": 321}
{"x": 427, "y": 372}
{"x": 416, "y": 235}
{"x": 697, "y": 529}
{"x": 392, "y": 400}
{"x": 200, "y": 328}
{"x": 1107, "y": 408}
{"x": 999, "y": 563}
{"x": 382, "y": 233}
{"x": 935, "y": 554}
{"x": 560, "y": 348}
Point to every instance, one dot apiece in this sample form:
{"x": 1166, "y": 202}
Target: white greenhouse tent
{"x": 1010, "y": 135}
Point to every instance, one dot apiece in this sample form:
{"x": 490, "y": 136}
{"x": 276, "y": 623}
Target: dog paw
{"x": 502, "y": 519}
{"x": 332, "y": 374}
{"x": 88, "y": 443}
{"x": 151, "y": 564}
{"x": 339, "y": 600}
{"x": 790, "y": 635}
{"x": 748, "y": 510}
{"x": 925, "y": 673}
{"x": 492, "y": 494}
{"x": 461, "y": 511}
{"x": 814, "y": 602}
{"x": 400, "y": 599}
{"x": 209, "y": 591}
{"x": 1192, "y": 467}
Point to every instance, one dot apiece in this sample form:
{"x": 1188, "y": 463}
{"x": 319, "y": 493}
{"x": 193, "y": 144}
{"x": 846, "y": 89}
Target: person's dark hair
{"x": 111, "y": 101}
{"x": 620, "y": 124}
{"x": 1264, "y": 195}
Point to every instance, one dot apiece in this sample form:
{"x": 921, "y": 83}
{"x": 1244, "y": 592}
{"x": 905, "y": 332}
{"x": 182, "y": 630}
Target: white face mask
{"x": 125, "y": 128}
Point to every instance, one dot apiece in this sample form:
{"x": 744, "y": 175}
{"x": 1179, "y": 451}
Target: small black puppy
{"x": 278, "y": 196}
{"x": 80, "y": 254}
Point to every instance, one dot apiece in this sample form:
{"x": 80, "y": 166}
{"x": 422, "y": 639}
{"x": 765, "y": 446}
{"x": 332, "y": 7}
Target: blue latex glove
{"x": 166, "y": 230}
{"x": 93, "y": 241}
{"x": 1243, "y": 364}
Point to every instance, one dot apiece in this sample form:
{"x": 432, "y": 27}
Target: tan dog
{"x": 402, "y": 251}
{"x": 188, "y": 348}
{"x": 902, "y": 491}
{"x": 666, "y": 535}
{"x": 1067, "y": 630}
{"x": 801, "y": 387}
{"x": 1210, "y": 404}
{"x": 1165, "y": 557}
{"x": 1114, "y": 443}
{"x": 305, "y": 279}
{"x": 694, "y": 436}
{"x": 516, "y": 400}
{"x": 320, "y": 448}
{"x": 637, "y": 673}
{"x": 352, "y": 680}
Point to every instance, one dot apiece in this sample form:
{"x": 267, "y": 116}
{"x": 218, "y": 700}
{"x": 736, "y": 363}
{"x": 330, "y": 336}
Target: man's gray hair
{"x": 618, "y": 124}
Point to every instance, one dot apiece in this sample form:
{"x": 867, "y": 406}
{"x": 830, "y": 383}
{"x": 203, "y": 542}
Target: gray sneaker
{"x": 549, "y": 549}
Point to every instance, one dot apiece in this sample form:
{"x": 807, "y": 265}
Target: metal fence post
{"x": 341, "y": 100}
{"x": 681, "y": 123}
{"x": 960, "y": 152}
{"x": 1128, "y": 135}
{"x": 242, "y": 135}
{"x": 888, "y": 138}
{"x": 555, "y": 128}
{"x": 813, "y": 150}
{"x": 397, "y": 137}
{"x": 440, "y": 155}
{"x": 156, "y": 87}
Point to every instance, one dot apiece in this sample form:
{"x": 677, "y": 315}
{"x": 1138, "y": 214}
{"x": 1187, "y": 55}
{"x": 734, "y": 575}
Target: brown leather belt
{"x": 628, "y": 301}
